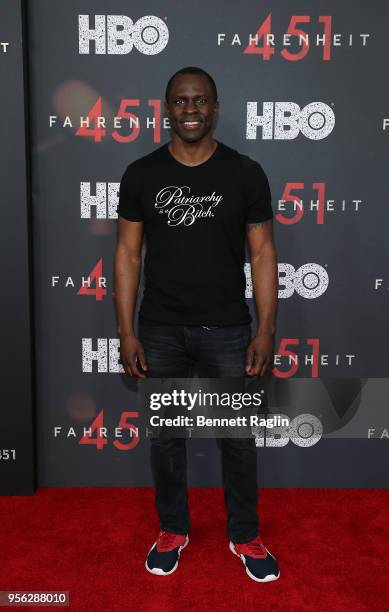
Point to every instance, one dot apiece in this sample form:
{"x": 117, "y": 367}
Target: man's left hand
{"x": 260, "y": 352}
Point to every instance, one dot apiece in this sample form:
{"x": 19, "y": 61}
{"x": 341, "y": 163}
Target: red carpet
{"x": 331, "y": 544}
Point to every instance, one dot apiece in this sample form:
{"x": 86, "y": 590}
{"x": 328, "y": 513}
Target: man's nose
{"x": 190, "y": 106}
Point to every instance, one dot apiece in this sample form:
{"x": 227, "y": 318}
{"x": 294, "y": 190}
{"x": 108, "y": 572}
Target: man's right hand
{"x": 131, "y": 352}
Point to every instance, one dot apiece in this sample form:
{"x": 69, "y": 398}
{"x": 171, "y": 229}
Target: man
{"x": 196, "y": 199}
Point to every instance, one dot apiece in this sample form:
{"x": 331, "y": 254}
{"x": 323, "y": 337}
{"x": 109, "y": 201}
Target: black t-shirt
{"x": 195, "y": 226}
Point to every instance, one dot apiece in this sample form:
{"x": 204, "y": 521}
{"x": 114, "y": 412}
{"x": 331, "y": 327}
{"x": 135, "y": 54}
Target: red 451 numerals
{"x": 96, "y": 130}
{"x": 96, "y": 275}
{"x": 294, "y": 199}
{"x": 267, "y": 49}
{"x": 100, "y": 440}
{"x": 284, "y": 351}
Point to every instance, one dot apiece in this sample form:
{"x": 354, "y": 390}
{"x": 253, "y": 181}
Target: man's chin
{"x": 194, "y": 136}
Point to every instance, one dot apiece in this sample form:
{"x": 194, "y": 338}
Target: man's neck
{"x": 192, "y": 153}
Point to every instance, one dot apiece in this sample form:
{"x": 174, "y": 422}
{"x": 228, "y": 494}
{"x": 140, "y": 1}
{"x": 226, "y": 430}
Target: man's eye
{"x": 203, "y": 100}
{"x": 179, "y": 101}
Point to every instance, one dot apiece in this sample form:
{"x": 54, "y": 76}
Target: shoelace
{"x": 165, "y": 540}
{"x": 256, "y": 546}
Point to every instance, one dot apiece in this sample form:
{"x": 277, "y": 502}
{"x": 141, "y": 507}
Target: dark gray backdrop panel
{"x": 16, "y": 426}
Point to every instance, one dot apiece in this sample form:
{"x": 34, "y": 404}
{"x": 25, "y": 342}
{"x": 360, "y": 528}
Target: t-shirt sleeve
{"x": 130, "y": 204}
{"x": 258, "y": 193}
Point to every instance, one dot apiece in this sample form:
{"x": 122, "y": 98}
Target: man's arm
{"x": 128, "y": 260}
{"x": 264, "y": 272}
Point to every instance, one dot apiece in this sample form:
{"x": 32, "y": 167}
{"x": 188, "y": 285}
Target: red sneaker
{"x": 260, "y": 564}
{"x": 164, "y": 554}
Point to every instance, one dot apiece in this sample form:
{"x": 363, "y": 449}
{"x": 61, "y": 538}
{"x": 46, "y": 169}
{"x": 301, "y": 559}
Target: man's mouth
{"x": 190, "y": 125}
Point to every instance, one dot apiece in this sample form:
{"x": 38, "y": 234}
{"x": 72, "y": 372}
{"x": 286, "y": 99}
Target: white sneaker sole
{"x": 268, "y": 578}
{"x": 157, "y": 571}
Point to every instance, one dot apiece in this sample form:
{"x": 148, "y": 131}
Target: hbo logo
{"x": 118, "y": 34}
{"x": 285, "y": 120}
{"x": 304, "y": 430}
{"x": 309, "y": 281}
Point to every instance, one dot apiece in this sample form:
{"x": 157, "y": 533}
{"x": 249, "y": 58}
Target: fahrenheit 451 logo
{"x": 183, "y": 208}
{"x": 295, "y": 43}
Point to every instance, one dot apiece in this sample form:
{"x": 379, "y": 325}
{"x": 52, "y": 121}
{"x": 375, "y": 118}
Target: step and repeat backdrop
{"x": 302, "y": 90}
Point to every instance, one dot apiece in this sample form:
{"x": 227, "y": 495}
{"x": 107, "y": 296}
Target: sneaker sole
{"x": 157, "y": 571}
{"x": 268, "y": 578}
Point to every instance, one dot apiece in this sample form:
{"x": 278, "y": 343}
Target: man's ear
{"x": 216, "y": 107}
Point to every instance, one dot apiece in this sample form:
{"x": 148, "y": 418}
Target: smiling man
{"x": 196, "y": 200}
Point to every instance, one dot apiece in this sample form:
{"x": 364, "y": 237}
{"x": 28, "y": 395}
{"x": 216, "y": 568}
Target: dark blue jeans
{"x": 176, "y": 351}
